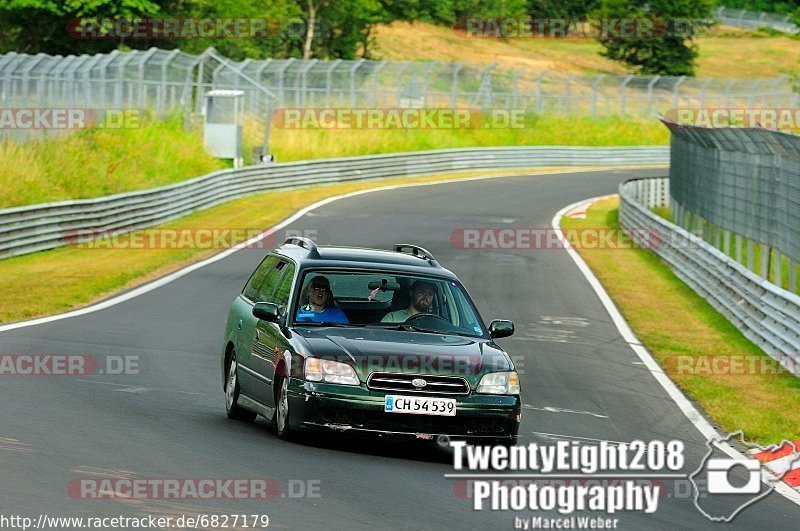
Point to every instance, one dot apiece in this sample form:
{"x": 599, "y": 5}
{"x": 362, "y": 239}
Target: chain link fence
{"x": 164, "y": 81}
{"x": 740, "y": 18}
{"x": 739, "y": 189}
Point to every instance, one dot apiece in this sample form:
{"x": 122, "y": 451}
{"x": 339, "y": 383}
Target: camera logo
{"x": 730, "y": 479}
{"x": 720, "y": 470}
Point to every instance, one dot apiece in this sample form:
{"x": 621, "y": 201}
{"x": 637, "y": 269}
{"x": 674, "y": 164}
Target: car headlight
{"x": 329, "y": 371}
{"x": 499, "y": 383}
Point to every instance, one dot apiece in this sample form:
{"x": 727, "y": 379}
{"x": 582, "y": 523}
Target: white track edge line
{"x": 687, "y": 408}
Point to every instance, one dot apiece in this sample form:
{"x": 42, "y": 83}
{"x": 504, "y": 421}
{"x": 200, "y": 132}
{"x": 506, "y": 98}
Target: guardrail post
{"x": 792, "y": 276}
{"x": 726, "y": 242}
{"x": 764, "y": 255}
{"x": 751, "y": 255}
{"x": 778, "y": 269}
{"x": 738, "y": 245}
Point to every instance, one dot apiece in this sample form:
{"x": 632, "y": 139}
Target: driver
{"x": 318, "y": 307}
{"x": 422, "y": 292}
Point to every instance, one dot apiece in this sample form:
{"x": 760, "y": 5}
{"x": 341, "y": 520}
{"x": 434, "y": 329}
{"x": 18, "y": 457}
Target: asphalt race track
{"x": 580, "y": 381}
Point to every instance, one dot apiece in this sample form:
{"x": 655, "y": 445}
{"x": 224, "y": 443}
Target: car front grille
{"x": 434, "y": 384}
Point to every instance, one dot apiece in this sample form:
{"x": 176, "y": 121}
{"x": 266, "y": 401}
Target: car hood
{"x": 376, "y": 349}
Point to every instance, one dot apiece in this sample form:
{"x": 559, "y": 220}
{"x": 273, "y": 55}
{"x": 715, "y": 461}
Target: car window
{"x": 384, "y": 299}
{"x": 281, "y": 297}
{"x": 264, "y": 280}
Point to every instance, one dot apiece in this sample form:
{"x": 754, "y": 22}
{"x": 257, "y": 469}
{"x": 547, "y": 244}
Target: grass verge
{"x": 675, "y": 323}
{"x": 77, "y": 276}
{"x": 544, "y": 130}
{"x": 96, "y": 162}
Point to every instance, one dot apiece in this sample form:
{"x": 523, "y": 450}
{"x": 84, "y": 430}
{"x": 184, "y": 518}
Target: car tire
{"x": 282, "y": 413}
{"x": 232, "y": 390}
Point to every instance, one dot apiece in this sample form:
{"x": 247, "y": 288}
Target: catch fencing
{"x": 46, "y": 226}
{"x": 741, "y": 18}
{"x": 766, "y": 314}
{"x": 164, "y": 81}
{"x": 740, "y": 189}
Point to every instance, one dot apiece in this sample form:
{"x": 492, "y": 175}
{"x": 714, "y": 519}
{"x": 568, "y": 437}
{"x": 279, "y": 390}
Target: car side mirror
{"x": 267, "y": 311}
{"x": 501, "y": 328}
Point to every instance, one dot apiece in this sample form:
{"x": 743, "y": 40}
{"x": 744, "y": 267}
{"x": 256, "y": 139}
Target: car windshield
{"x": 386, "y": 300}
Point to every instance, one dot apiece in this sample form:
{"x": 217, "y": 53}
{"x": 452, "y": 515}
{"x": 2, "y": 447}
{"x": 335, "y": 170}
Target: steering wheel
{"x": 419, "y": 316}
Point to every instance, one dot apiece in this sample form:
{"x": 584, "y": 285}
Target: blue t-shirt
{"x": 306, "y": 314}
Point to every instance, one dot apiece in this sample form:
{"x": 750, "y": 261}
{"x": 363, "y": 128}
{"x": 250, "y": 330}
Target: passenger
{"x": 422, "y": 292}
{"x": 318, "y": 304}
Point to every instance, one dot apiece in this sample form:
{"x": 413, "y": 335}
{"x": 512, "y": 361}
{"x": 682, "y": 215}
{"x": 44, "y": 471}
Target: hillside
{"x": 724, "y": 52}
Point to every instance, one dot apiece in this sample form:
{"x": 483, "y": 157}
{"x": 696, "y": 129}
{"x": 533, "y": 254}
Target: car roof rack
{"x": 415, "y": 250}
{"x": 305, "y": 243}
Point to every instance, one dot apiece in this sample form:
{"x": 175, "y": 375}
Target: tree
{"x": 668, "y": 49}
{"x": 561, "y": 8}
{"x": 32, "y": 26}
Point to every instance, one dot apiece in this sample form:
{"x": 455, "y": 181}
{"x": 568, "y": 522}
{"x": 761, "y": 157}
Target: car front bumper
{"x": 357, "y": 410}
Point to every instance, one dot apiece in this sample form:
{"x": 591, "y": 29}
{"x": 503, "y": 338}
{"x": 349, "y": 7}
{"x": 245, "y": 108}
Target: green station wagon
{"x": 367, "y": 342}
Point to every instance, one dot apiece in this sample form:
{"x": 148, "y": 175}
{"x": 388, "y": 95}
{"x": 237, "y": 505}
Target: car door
{"x": 270, "y": 341}
{"x": 259, "y": 288}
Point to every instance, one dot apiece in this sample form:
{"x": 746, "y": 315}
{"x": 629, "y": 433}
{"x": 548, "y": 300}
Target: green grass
{"x": 301, "y": 144}
{"x": 672, "y": 320}
{"x": 93, "y": 163}
{"x": 719, "y": 242}
{"x": 97, "y": 162}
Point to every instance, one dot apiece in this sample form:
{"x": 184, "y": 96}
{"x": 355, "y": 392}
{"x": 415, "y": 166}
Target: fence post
{"x": 650, "y": 94}
{"x": 539, "y": 78}
{"x": 427, "y": 74}
{"x": 375, "y": 73}
{"x": 329, "y": 80}
{"x": 517, "y": 75}
{"x": 703, "y": 91}
{"x": 304, "y": 81}
{"x": 353, "y": 70}
{"x": 595, "y": 90}
{"x": 675, "y": 95}
{"x": 622, "y": 93}
{"x": 457, "y": 67}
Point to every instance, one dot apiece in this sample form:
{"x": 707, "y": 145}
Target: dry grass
{"x": 672, "y": 320}
{"x": 724, "y": 52}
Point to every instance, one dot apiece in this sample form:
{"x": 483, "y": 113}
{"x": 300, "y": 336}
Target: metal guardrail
{"x": 740, "y": 184}
{"x": 766, "y": 314}
{"x": 46, "y": 226}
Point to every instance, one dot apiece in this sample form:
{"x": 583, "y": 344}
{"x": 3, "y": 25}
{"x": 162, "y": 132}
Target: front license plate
{"x": 420, "y": 405}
